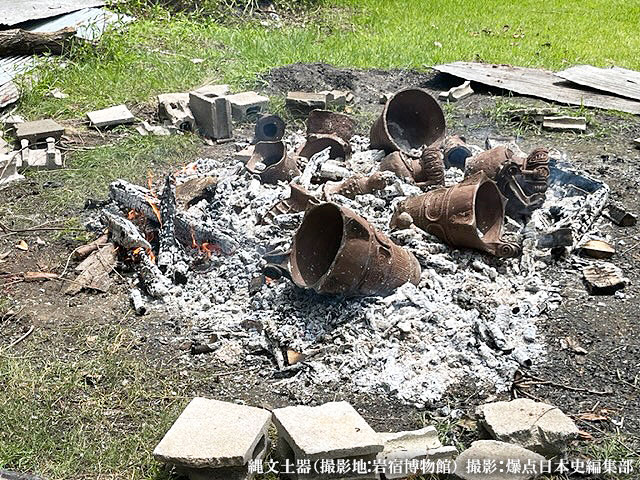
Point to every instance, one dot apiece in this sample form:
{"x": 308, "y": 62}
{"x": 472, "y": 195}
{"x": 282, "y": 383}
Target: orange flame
{"x": 155, "y": 208}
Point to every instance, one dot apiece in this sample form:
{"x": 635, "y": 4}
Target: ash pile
{"x": 404, "y": 263}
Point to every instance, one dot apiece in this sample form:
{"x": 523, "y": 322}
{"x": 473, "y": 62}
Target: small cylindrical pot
{"x": 410, "y": 120}
{"x": 455, "y": 152}
{"x": 335, "y": 251}
{"x": 469, "y": 214}
{"x": 269, "y": 128}
{"x": 279, "y": 166}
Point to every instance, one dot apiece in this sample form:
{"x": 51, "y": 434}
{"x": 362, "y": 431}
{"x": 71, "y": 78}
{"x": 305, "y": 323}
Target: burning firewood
{"x": 134, "y": 197}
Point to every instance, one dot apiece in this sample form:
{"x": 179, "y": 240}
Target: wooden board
{"x": 619, "y": 81}
{"x": 536, "y": 83}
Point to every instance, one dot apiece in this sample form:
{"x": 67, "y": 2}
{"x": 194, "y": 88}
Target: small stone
{"x": 457, "y": 93}
{"x": 247, "y": 106}
{"x": 214, "y": 434}
{"x": 540, "y": 427}
{"x": 565, "y": 123}
{"x": 245, "y": 154}
{"x": 603, "y": 278}
{"x": 636, "y": 142}
{"x": 333, "y": 170}
{"x": 597, "y": 249}
{"x": 110, "y": 117}
{"x": 498, "y": 454}
{"x": 385, "y": 97}
{"x": 39, "y": 131}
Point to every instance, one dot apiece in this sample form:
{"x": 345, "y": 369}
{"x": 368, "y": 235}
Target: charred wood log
{"x": 166, "y": 250}
{"x": 187, "y": 230}
{"x": 125, "y": 233}
{"x": 156, "y": 284}
{"x": 24, "y": 42}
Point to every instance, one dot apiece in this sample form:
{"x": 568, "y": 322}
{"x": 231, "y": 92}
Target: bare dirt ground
{"x": 604, "y": 380}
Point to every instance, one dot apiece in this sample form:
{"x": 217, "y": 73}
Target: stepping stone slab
{"x": 213, "y": 434}
{"x": 470, "y": 463}
{"x": 110, "y": 117}
{"x": 332, "y": 430}
{"x": 537, "y": 426}
{"x": 39, "y": 130}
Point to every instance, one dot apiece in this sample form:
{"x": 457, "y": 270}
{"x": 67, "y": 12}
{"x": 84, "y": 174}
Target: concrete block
{"x": 39, "y": 130}
{"x": 246, "y": 106}
{"x": 537, "y": 426}
{"x": 4, "y": 146}
{"x": 8, "y": 169}
{"x": 49, "y": 158}
{"x": 337, "y": 98}
{"x": 213, "y": 90}
{"x": 330, "y": 431}
{"x": 173, "y": 108}
{"x": 214, "y": 439}
{"x": 470, "y": 463}
{"x": 572, "y": 124}
{"x": 212, "y": 115}
{"x": 402, "y": 447}
{"x": 110, "y": 117}
{"x": 305, "y": 101}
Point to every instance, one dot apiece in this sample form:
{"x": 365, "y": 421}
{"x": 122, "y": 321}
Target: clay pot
{"x": 426, "y": 171}
{"x": 317, "y": 142}
{"x": 326, "y": 122}
{"x": 469, "y": 214}
{"x": 269, "y": 128}
{"x": 356, "y": 185}
{"x": 455, "y": 152}
{"x": 410, "y": 120}
{"x": 335, "y": 251}
{"x": 279, "y": 165}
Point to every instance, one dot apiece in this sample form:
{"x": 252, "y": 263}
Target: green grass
{"x": 84, "y": 409}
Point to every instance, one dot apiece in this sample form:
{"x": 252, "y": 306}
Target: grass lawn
{"x": 86, "y": 414}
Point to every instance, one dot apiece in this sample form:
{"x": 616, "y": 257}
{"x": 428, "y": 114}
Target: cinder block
{"x": 246, "y": 106}
{"x": 333, "y": 431}
{"x": 39, "y": 130}
{"x": 8, "y": 169}
{"x": 174, "y": 109}
{"x": 110, "y": 117}
{"x": 212, "y": 114}
{"x": 305, "y": 101}
{"x": 40, "y": 159}
{"x": 213, "y": 439}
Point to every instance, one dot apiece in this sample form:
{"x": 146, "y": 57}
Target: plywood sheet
{"x": 619, "y": 81}
{"x": 536, "y": 83}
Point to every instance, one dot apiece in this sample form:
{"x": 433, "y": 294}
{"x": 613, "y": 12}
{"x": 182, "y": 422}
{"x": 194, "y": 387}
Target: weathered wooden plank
{"x": 536, "y": 83}
{"x": 620, "y": 81}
